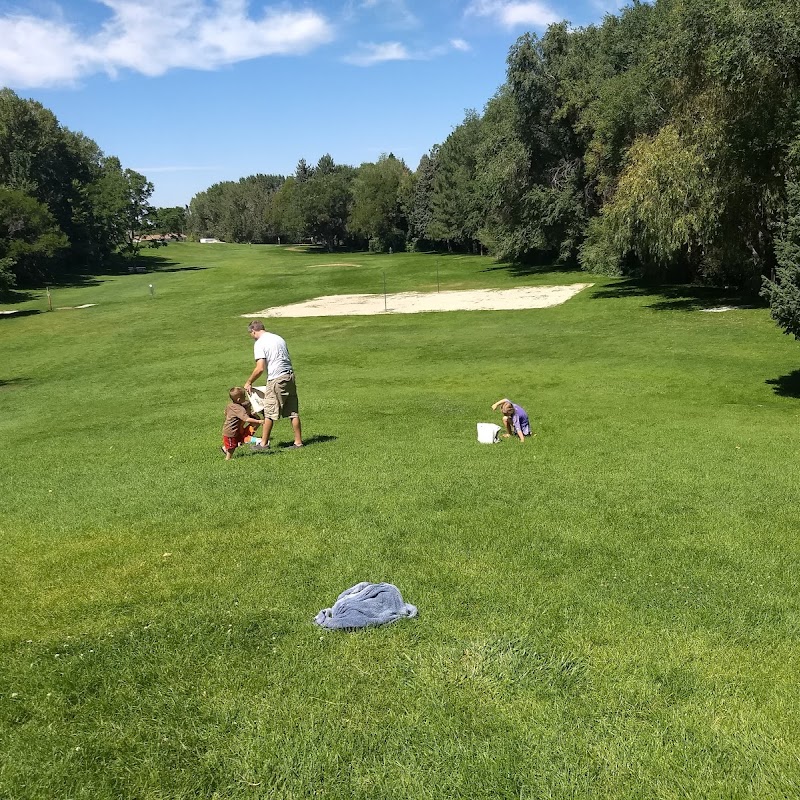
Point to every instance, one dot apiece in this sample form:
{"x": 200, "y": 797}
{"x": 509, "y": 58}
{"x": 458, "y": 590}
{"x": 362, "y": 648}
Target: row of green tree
{"x": 332, "y": 204}
{"x": 664, "y": 143}
{"x": 381, "y": 205}
{"x": 65, "y": 207}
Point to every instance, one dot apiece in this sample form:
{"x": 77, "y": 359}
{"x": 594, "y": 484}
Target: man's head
{"x": 237, "y": 394}
{"x": 507, "y": 409}
{"x": 256, "y": 328}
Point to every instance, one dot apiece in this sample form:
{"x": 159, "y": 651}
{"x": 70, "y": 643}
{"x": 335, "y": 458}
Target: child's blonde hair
{"x": 507, "y": 409}
{"x": 237, "y": 394}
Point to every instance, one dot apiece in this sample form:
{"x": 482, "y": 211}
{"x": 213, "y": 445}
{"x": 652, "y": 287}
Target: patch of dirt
{"x": 416, "y": 302}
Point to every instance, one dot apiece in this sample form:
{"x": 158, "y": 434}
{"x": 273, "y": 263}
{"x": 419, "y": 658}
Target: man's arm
{"x": 258, "y": 370}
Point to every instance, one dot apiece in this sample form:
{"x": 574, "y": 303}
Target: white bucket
{"x": 488, "y": 433}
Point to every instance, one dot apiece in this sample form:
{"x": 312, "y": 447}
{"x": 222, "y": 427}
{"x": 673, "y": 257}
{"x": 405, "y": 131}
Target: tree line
{"x": 65, "y": 207}
{"x": 661, "y": 143}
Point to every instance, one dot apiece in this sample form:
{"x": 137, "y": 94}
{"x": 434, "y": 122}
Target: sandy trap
{"x": 341, "y": 305}
{"x": 719, "y": 309}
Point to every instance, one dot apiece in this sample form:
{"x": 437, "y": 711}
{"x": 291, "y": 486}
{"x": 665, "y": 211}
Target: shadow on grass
{"x": 679, "y": 297}
{"x": 308, "y": 442}
{"x": 10, "y": 383}
{"x": 786, "y": 385}
{"x": 526, "y": 270}
{"x": 14, "y": 296}
{"x": 314, "y": 248}
{"x": 319, "y": 438}
{"x": 113, "y": 268}
{"x": 27, "y": 312}
{"x": 193, "y": 268}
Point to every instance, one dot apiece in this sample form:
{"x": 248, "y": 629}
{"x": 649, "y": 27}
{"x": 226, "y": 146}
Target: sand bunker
{"x": 74, "y": 308}
{"x": 719, "y": 309}
{"x": 341, "y": 305}
{"x": 335, "y": 264}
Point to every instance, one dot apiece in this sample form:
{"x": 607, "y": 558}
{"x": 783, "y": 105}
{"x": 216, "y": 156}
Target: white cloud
{"x": 369, "y": 54}
{"x": 512, "y": 14}
{"x": 151, "y": 37}
{"x": 34, "y": 52}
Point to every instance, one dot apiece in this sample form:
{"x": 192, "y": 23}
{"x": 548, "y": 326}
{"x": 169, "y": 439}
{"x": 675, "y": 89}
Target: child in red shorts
{"x": 239, "y": 423}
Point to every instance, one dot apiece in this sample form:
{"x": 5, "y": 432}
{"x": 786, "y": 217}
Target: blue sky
{"x": 192, "y": 92}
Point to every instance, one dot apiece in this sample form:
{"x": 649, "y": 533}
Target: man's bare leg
{"x": 265, "y": 432}
{"x": 298, "y": 433}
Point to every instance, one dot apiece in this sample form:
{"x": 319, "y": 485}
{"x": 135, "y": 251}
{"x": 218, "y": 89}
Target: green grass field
{"x": 608, "y": 611}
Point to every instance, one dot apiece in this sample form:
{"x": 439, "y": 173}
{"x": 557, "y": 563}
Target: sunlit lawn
{"x": 610, "y": 610}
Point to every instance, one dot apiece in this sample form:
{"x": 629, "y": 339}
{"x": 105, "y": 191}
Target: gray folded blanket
{"x": 366, "y": 604}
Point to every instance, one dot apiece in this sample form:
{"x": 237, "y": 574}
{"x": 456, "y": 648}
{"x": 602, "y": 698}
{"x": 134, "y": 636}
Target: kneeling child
{"x": 240, "y": 424}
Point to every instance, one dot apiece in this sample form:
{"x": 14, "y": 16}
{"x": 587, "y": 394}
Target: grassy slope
{"x": 610, "y": 610}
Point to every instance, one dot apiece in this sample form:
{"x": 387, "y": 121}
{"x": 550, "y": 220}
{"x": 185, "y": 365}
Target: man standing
{"x": 272, "y": 359}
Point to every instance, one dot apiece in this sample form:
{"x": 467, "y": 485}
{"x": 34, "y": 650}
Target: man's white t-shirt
{"x": 272, "y": 348}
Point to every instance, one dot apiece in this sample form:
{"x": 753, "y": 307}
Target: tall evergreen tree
{"x": 456, "y": 207}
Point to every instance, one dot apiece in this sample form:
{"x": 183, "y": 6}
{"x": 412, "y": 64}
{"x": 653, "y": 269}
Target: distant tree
{"x": 87, "y": 233}
{"x": 88, "y": 205}
{"x": 662, "y": 213}
{"x": 29, "y": 238}
{"x": 303, "y": 172}
{"x": 783, "y": 293}
{"x": 33, "y": 153}
{"x": 531, "y": 158}
{"x": 503, "y": 179}
{"x": 204, "y": 217}
{"x": 123, "y": 200}
{"x": 60, "y": 169}
{"x": 325, "y": 202}
{"x": 325, "y": 165}
{"x": 255, "y": 195}
{"x": 284, "y": 213}
{"x": 415, "y": 198}
{"x": 168, "y": 220}
{"x": 455, "y": 201}
{"x": 376, "y": 213}
{"x": 235, "y": 211}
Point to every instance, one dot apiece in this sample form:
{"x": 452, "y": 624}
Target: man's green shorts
{"x": 280, "y": 399}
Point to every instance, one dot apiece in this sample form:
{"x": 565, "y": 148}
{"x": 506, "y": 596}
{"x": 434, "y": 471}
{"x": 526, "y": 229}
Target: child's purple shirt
{"x": 520, "y": 421}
